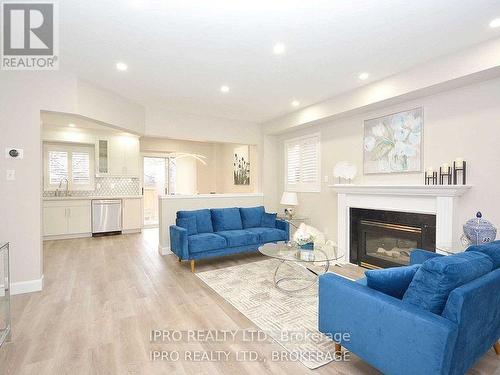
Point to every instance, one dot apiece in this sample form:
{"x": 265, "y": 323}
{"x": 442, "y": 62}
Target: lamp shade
{"x": 289, "y": 199}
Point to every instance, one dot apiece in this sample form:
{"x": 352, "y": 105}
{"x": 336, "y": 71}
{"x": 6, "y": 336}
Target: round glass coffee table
{"x": 292, "y": 255}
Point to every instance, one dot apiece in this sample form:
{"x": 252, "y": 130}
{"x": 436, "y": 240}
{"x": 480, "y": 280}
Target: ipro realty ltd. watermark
{"x": 30, "y": 35}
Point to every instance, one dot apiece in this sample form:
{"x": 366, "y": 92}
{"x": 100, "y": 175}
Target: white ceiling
{"x": 180, "y": 52}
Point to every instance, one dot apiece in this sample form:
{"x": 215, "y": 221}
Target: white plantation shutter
{"x": 74, "y": 162}
{"x": 58, "y": 166}
{"x": 81, "y": 168}
{"x": 302, "y": 164}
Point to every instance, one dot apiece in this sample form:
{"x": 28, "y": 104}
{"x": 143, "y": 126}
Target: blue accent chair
{"x": 396, "y": 335}
{"x": 216, "y": 232}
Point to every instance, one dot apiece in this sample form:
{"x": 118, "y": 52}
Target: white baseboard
{"x": 164, "y": 250}
{"x": 130, "y": 231}
{"x": 29, "y": 286}
{"x": 66, "y": 236}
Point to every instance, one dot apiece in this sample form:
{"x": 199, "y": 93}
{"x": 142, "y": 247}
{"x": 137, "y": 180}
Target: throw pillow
{"x": 392, "y": 281}
{"x": 491, "y": 249}
{"x": 188, "y": 223}
{"x": 437, "y": 277}
{"x": 251, "y": 217}
{"x": 268, "y": 220}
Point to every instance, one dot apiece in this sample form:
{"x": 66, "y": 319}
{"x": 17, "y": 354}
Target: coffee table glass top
{"x": 291, "y": 252}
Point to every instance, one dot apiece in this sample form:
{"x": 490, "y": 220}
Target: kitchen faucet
{"x": 58, "y": 192}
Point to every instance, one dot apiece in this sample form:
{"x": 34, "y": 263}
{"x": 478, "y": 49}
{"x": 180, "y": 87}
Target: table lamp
{"x": 289, "y": 199}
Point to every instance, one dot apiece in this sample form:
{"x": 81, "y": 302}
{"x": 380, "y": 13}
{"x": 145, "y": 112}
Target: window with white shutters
{"x": 302, "y": 164}
{"x": 73, "y": 162}
{"x": 81, "y": 167}
{"x": 58, "y": 166}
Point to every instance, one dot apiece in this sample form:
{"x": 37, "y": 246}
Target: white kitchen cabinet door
{"x": 132, "y": 214}
{"x": 124, "y": 156}
{"x": 79, "y": 219}
{"x": 132, "y": 158}
{"x": 55, "y": 221}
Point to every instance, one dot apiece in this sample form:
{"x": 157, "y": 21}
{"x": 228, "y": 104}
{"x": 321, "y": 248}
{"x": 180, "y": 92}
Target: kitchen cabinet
{"x": 132, "y": 215}
{"x": 118, "y": 156}
{"x": 66, "y": 217}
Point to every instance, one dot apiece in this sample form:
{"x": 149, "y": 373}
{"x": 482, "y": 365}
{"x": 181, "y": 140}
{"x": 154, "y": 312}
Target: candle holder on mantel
{"x": 431, "y": 178}
{"x": 445, "y": 173}
{"x": 460, "y": 168}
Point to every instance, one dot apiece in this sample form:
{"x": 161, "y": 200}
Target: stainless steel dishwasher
{"x": 106, "y": 216}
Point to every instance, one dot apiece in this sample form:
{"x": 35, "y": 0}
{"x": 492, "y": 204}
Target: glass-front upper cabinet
{"x": 103, "y": 157}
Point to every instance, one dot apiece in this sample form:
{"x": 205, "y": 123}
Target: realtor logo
{"x": 29, "y": 40}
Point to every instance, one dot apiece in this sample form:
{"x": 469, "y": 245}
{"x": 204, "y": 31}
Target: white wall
{"x": 22, "y": 96}
{"x": 462, "y": 122}
{"x": 109, "y": 107}
{"x": 162, "y": 122}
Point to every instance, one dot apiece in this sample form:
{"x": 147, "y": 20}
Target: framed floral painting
{"x": 393, "y": 143}
{"x": 241, "y": 166}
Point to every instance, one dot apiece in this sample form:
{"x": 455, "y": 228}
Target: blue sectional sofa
{"x": 437, "y": 316}
{"x": 222, "y": 231}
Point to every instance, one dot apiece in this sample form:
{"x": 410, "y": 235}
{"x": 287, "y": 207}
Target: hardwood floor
{"x": 103, "y": 296}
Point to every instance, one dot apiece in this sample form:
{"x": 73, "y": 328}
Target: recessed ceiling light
{"x": 279, "y": 49}
{"x": 224, "y": 89}
{"x": 364, "y": 76}
{"x": 121, "y": 66}
{"x": 295, "y": 103}
{"x": 495, "y": 23}
{"x": 72, "y": 125}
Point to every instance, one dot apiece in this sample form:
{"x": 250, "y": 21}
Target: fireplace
{"x": 380, "y": 239}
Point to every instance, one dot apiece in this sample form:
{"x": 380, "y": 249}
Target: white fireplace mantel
{"x": 440, "y": 200}
{"x": 429, "y": 190}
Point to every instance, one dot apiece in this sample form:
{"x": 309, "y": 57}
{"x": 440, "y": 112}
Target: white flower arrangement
{"x": 304, "y": 234}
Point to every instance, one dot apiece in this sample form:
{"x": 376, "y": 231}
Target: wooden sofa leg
{"x": 179, "y": 260}
{"x": 192, "y": 266}
{"x": 338, "y": 348}
{"x": 497, "y": 347}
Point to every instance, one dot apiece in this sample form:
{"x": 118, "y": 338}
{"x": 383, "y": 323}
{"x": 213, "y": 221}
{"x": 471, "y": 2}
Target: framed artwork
{"x": 393, "y": 143}
{"x": 241, "y": 166}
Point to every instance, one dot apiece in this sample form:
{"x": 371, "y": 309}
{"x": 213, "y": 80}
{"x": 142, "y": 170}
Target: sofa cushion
{"x": 392, "y": 281}
{"x": 269, "y": 234}
{"x": 491, "y": 249}
{"x": 205, "y": 242}
{"x": 268, "y": 220}
{"x": 226, "y": 219}
{"x": 188, "y": 223}
{"x": 437, "y": 277}
{"x": 239, "y": 237}
{"x": 203, "y": 219}
{"x": 251, "y": 217}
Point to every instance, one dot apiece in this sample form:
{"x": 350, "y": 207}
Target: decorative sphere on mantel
{"x": 479, "y": 231}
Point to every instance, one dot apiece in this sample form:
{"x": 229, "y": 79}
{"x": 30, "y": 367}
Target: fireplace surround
{"x": 441, "y": 201}
{"x": 381, "y": 238}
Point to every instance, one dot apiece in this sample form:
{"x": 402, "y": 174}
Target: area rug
{"x": 250, "y": 289}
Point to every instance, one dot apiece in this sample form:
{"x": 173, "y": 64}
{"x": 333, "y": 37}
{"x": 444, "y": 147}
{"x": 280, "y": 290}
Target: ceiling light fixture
{"x": 495, "y": 23}
{"x": 363, "y": 76}
{"x": 121, "y": 66}
{"x": 72, "y": 125}
{"x": 295, "y": 103}
{"x": 224, "y": 89}
{"x": 279, "y": 49}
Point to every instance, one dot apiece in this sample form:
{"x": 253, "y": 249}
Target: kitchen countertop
{"x": 91, "y": 197}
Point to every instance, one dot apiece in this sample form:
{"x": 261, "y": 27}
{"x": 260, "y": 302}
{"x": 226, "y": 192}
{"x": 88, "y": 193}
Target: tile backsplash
{"x": 107, "y": 187}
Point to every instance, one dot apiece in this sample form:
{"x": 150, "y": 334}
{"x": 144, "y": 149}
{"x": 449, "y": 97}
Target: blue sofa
{"x": 437, "y": 316}
{"x": 222, "y": 231}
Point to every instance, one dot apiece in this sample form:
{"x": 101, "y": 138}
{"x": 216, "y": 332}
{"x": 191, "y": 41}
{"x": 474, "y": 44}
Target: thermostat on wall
{"x": 14, "y": 153}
